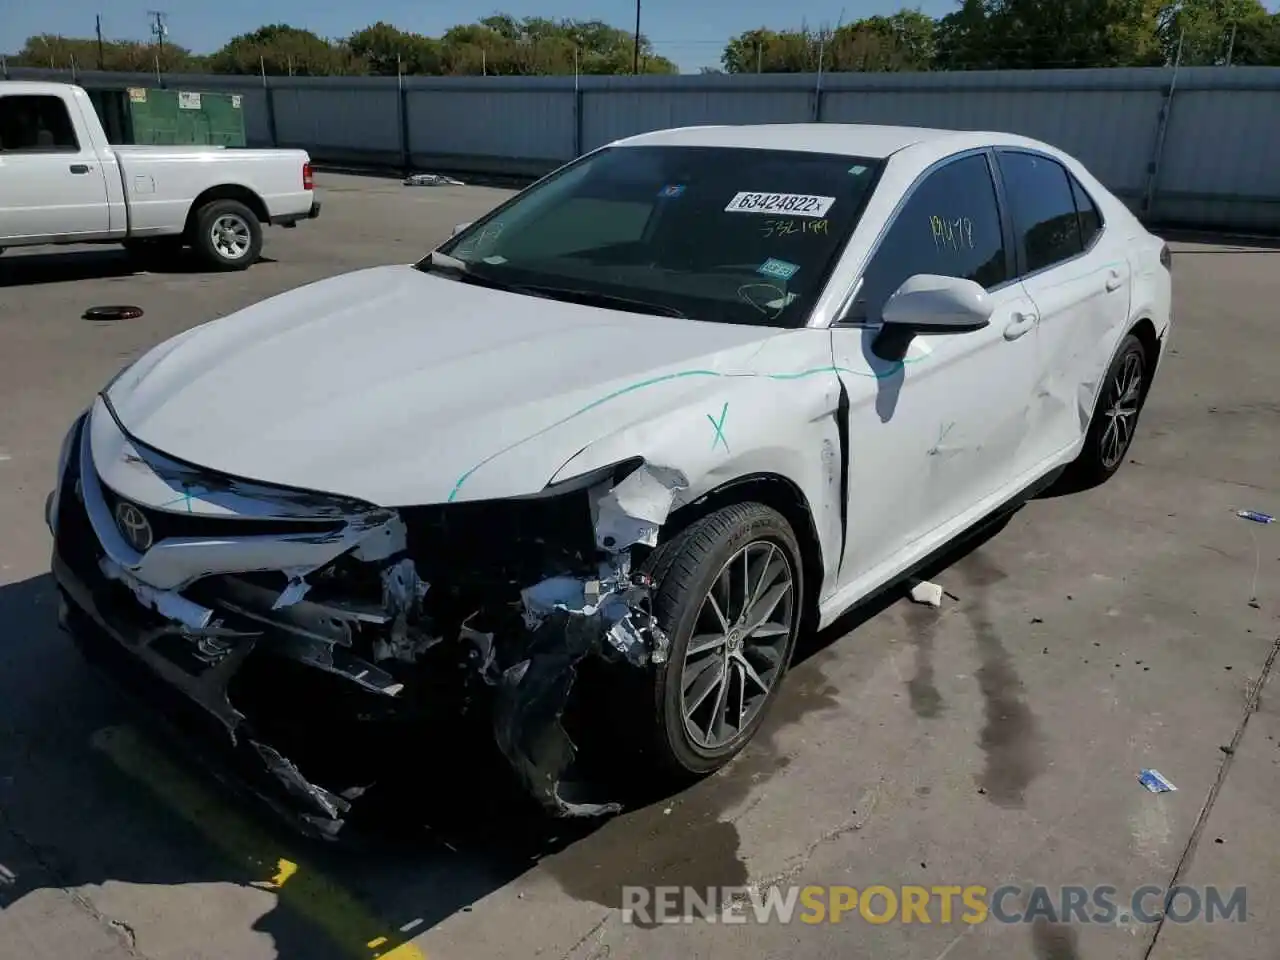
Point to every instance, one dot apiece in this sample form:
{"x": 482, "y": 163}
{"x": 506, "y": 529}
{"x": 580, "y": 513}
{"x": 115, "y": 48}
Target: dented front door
{"x": 932, "y": 437}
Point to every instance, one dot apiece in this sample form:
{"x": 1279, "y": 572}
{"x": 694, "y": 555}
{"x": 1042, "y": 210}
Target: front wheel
{"x": 228, "y": 235}
{"x": 729, "y": 595}
{"x": 1115, "y": 416}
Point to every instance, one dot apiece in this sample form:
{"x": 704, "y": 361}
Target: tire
{"x": 223, "y": 227}
{"x": 1104, "y": 449}
{"x": 685, "y": 571}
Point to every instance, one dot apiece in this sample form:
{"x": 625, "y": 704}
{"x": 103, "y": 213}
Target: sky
{"x": 691, "y": 40}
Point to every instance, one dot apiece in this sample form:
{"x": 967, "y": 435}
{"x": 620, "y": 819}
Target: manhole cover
{"x": 113, "y": 313}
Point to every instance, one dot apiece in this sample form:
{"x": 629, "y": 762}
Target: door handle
{"x": 1022, "y": 323}
{"x": 79, "y": 168}
{"x": 1114, "y": 280}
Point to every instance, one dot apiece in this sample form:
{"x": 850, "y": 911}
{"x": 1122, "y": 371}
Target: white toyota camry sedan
{"x": 634, "y": 431}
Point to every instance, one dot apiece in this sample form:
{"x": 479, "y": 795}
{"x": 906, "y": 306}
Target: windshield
{"x": 710, "y": 233}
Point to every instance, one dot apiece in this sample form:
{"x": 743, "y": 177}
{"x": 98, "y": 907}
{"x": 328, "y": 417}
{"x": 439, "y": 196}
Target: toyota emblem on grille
{"x": 135, "y": 526}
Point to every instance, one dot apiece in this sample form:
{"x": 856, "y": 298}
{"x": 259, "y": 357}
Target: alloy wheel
{"x": 1123, "y": 400}
{"x": 230, "y": 236}
{"x": 740, "y": 637}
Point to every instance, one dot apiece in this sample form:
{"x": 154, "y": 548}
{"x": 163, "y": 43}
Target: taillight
{"x": 307, "y": 182}
{"x": 1166, "y": 257}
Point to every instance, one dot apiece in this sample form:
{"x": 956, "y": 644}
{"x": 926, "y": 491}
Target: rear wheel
{"x": 228, "y": 235}
{"x": 729, "y": 593}
{"x": 1115, "y": 416}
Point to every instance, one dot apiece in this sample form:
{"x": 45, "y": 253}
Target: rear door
{"x": 52, "y": 186}
{"x": 1080, "y": 285}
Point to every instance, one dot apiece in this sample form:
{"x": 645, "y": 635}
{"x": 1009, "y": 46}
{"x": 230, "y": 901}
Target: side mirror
{"x": 933, "y": 304}
{"x": 458, "y": 228}
{"x": 926, "y": 303}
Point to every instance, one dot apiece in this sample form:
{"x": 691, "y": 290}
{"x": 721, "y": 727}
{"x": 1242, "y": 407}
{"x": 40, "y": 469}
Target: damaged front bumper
{"x": 308, "y": 639}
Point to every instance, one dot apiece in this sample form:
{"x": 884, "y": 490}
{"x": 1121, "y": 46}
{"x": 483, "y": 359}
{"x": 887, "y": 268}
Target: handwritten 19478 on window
{"x": 952, "y": 234}
{"x": 782, "y": 228}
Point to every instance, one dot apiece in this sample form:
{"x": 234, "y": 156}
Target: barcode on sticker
{"x": 795, "y": 204}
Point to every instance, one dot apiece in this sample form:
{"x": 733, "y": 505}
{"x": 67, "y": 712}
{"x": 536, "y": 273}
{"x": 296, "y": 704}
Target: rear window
{"x": 719, "y": 234}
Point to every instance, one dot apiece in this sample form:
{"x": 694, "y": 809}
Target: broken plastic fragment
{"x": 167, "y": 603}
{"x": 293, "y": 593}
{"x": 661, "y": 644}
{"x": 402, "y": 594}
{"x": 633, "y": 511}
{"x": 383, "y": 541}
{"x": 627, "y": 639}
{"x": 567, "y": 593}
{"x": 927, "y": 593}
{"x": 483, "y": 643}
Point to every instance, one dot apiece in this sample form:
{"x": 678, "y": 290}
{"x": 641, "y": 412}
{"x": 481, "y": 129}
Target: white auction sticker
{"x": 793, "y": 204}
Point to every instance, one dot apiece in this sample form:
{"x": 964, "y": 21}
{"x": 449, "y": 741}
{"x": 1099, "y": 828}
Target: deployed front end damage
{"x": 327, "y": 638}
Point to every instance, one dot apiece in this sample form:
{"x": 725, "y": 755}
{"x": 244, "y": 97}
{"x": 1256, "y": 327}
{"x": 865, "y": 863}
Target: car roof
{"x": 853, "y": 139}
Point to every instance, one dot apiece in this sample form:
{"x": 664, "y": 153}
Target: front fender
{"x": 778, "y": 419}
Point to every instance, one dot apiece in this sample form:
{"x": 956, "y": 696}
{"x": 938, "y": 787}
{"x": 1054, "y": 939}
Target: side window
{"x": 35, "y": 124}
{"x": 949, "y": 226}
{"x": 1044, "y": 211}
{"x": 1087, "y": 210}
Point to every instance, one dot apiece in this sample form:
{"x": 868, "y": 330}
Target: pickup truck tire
{"x": 227, "y": 235}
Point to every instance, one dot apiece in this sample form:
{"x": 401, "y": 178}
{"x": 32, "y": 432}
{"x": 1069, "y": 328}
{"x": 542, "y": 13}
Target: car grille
{"x": 165, "y": 524}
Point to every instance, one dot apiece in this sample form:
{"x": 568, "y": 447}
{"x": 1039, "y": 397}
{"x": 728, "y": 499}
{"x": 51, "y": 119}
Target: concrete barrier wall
{"x": 1197, "y": 148}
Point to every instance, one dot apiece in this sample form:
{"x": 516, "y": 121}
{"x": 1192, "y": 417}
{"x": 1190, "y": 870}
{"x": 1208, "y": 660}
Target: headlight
{"x": 613, "y": 473}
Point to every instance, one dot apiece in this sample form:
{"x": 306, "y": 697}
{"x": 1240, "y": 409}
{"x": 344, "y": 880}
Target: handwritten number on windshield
{"x": 783, "y": 228}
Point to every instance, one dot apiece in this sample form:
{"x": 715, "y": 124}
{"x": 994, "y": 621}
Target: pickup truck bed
{"x": 62, "y": 182}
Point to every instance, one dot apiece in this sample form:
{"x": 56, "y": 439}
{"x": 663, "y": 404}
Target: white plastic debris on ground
{"x": 929, "y": 594}
{"x": 431, "y": 180}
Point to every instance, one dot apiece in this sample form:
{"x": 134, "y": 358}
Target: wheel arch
{"x": 781, "y": 494}
{"x": 227, "y": 191}
{"x": 1145, "y": 330}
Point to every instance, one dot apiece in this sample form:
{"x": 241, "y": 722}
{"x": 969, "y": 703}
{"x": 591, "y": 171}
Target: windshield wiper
{"x": 591, "y": 298}
{"x": 461, "y": 270}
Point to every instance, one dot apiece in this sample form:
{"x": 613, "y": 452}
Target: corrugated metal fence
{"x": 1196, "y": 149}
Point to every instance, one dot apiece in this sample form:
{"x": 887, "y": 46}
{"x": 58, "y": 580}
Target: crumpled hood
{"x": 399, "y": 387}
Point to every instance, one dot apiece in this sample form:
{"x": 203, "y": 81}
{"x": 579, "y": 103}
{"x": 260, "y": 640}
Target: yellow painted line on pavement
{"x": 341, "y": 917}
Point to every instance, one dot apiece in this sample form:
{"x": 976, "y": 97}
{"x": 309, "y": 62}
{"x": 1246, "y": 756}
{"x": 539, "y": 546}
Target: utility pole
{"x": 159, "y": 29}
{"x": 1231, "y": 44}
{"x": 97, "y": 28}
{"x": 635, "y": 56}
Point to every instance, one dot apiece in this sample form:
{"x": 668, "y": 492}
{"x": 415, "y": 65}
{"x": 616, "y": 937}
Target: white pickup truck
{"x": 61, "y": 182}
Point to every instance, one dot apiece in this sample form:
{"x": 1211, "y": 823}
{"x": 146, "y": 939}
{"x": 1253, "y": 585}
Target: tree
{"x": 1029, "y": 34}
{"x": 62, "y": 53}
{"x": 1257, "y": 42}
{"x": 280, "y": 48}
{"x": 501, "y": 44}
{"x": 903, "y": 41}
{"x": 1209, "y": 29}
{"x": 385, "y": 49}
